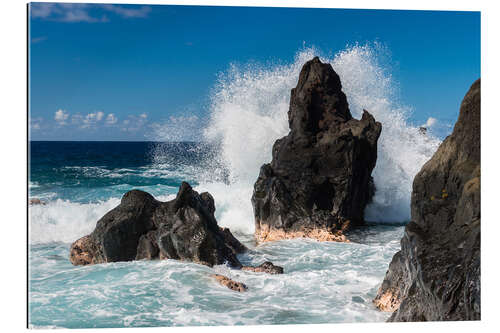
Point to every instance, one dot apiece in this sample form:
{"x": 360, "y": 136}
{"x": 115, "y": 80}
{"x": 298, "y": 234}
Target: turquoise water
{"x": 323, "y": 282}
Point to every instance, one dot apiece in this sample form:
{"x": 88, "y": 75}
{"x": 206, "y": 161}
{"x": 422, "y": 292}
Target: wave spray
{"x": 248, "y": 112}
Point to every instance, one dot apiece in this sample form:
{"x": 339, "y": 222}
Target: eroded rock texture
{"x": 436, "y": 275}
{"x": 319, "y": 180}
{"x": 143, "y": 228}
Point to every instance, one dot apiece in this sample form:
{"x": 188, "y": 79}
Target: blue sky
{"x": 116, "y": 72}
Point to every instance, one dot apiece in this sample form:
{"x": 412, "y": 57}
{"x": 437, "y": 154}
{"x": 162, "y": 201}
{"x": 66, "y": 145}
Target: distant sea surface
{"x": 80, "y": 181}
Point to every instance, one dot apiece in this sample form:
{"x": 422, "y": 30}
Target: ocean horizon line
{"x": 119, "y": 141}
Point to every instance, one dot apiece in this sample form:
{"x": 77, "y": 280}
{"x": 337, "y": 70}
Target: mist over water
{"x": 248, "y": 113}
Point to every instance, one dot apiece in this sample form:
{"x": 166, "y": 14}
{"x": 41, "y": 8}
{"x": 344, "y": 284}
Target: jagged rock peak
{"x": 319, "y": 180}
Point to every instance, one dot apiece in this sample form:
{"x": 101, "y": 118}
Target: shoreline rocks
{"x": 319, "y": 180}
{"x": 436, "y": 275}
{"x": 185, "y": 228}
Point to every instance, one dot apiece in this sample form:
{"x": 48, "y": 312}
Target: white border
{"x": 13, "y": 130}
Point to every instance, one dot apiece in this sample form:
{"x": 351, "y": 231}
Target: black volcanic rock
{"x": 436, "y": 275}
{"x": 143, "y": 228}
{"x": 319, "y": 179}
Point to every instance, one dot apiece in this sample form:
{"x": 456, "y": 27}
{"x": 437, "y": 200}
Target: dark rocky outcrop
{"x": 436, "y": 275}
{"x": 143, "y": 228}
{"x": 185, "y": 228}
{"x": 319, "y": 180}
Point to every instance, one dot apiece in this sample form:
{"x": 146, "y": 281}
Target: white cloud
{"x": 92, "y": 118}
{"x": 64, "y": 12}
{"x": 134, "y": 123}
{"x": 140, "y": 12}
{"x": 61, "y": 116}
{"x": 36, "y": 40}
{"x": 76, "y": 119}
{"x": 81, "y": 12}
{"x": 440, "y": 128}
{"x": 78, "y": 13}
{"x": 99, "y": 115}
{"x": 430, "y": 122}
{"x": 111, "y": 119}
{"x": 88, "y": 121}
{"x": 42, "y": 10}
{"x": 35, "y": 123}
{"x": 99, "y": 120}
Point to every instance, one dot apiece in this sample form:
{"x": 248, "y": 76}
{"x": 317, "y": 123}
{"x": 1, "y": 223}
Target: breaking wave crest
{"x": 248, "y": 112}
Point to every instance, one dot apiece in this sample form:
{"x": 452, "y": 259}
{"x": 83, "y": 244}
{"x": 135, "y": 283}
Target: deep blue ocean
{"x": 80, "y": 181}
{"x": 92, "y": 171}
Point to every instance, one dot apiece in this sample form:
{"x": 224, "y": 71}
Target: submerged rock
{"x": 436, "y": 275}
{"x": 266, "y": 267}
{"x": 143, "y": 228}
{"x": 231, "y": 284}
{"x": 319, "y": 180}
{"x": 36, "y": 201}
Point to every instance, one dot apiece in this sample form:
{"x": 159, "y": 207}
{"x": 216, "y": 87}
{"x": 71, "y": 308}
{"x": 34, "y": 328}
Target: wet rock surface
{"x": 436, "y": 275}
{"x": 266, "y": 267}
{"x": 36, "y": 201}
{"x": 143, "y": 228}
{"x": 319, "y": 180}
{"x": 231, "y": 284}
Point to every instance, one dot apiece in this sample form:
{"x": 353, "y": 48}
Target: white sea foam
{"x": 65, "y": 221}
{"x": 249, "y": 112}
{"x": 324, "y": 283}
{"x": 233, "y": 206}
{"x": 160, "y": 170}
{"x": 402, "y": 150}
{"x": 32, "y": 185}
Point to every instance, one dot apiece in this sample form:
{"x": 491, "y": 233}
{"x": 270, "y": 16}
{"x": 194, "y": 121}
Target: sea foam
{"x": 248, "y": 112}
{"x": 65, "y": 221}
